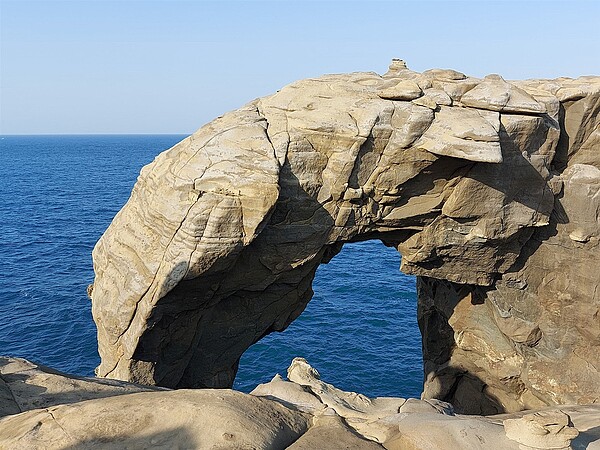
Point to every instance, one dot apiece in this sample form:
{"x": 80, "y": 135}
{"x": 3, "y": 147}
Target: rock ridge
{"x": 301, "y": 413}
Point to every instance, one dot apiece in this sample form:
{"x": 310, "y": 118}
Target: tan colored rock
{"x": 439, "y": 96}
{"x": 413, "y": 405}
{"x": 408, "y": 122}
{"x": 422, "y": 431}
{"x": 455, "y": 88}
{"x": 465, "y": 134}
{"x": 291, "y": 394}
{"x": 433, "y": 98}
{"x": 349, "y": 405}
{"x": 430, "y": 431}
{"x": 330, "y": 432}
{"x": 277, "y": 415}
{"x": 25, "y": 386}
{"x": 445, "y": 74}
{"x": 188, "y": 419}
{"x": 582, "y": 195}
{"x": 495, "y": 94}
{"x": 544, "y": 429}
{"x": 399, "y": 69}
{"x": 545, "y": 306}
{"x": 427, "y": 102}
{"x": 202, "y": 221}
{"x": 402, "y": 90}
{"x": 352, "y": 417}
{"x": 490, "y": 196}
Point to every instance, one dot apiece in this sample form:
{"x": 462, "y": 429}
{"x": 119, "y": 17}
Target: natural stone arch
{"x": 222, "y": 235}
{"x": 376, "y": 354}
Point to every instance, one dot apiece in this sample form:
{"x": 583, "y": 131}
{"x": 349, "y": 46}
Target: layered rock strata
{"x": 25, "y": 386}
{"x": 301, "y": 413}
{"x": 489, "y": 189}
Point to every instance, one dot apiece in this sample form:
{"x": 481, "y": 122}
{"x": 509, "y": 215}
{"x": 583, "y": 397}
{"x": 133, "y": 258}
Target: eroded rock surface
{"x": 304, "y": 414}
{"x": 544, "y": 429}
{"x": 187, "y": 419}
{"x": 25, "y": 386}
{"x": 490, "y": 190}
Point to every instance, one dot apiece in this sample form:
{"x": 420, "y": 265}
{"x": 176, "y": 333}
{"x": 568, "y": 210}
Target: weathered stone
{"x": 496, "y": 94}
{"x": 445, "y": 74}
{"x": 290, "y": 394}
{"x": 277, "y": 415}
{"x": 330, "y": 432}
{"x": 402, "y": 90}
{"x": 174, "y": 419}
{"x": 544, "y": 429}
{"x": 419, "y": 431}
{"x": 349, "y": 405}
{"x": 398, "y": 68}
{"x": 413, "y": 405}
{"x": 582, "y": 195}
{"x": 439, "y": 96}
{"x": 432, "y": 431}
{"x": 25, "y": 386}
{"x": 454, "y": 88}
{"x": 465, "y": 134}
{"x": 433, "y": 99}
{"x": 490, "y": 196}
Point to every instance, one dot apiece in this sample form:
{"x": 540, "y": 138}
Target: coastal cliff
{"x": 489, "y": 189}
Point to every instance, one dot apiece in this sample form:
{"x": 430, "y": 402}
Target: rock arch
{"x": 467, "y": 178}
{"x": 376, "y": 354}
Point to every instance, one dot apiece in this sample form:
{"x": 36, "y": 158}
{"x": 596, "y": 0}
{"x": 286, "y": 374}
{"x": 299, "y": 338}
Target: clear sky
{"x": 170, "y": 66}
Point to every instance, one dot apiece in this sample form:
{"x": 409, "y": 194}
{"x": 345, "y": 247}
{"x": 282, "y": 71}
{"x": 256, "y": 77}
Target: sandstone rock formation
{"x": 25, "y": 386}
{"x": 186, "y": 419}
{"x": 489, "y": 189}
{"x": 304, "y": 414}
{"x": 544, "y": 429}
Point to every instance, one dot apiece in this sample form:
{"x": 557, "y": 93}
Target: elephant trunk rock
{"x": 489, "y": 189}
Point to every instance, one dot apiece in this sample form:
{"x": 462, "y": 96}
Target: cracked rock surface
{"x": 490, "y": 190}
{"x": 303, "y": 412}
{"x": 25, "y": 386}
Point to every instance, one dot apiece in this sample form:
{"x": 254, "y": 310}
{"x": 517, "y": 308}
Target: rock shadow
{"x": 445, "y": 380}
{"x": 585, "y": 438}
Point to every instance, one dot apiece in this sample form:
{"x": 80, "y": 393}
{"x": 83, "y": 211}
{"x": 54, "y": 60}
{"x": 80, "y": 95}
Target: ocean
{"x": 59, "y": 193}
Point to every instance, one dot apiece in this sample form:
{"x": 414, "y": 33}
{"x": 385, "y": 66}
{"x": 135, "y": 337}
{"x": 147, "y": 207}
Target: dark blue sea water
{"x": 59, "y": 193}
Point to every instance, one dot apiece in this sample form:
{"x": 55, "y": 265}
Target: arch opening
{"x": 381, "y": 356}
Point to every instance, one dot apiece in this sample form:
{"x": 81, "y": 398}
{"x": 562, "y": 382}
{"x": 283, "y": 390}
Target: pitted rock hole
{"x": 360, "y": 329}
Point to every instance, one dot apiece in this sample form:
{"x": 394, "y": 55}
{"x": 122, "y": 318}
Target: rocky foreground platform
{"x": 44, "y": 409}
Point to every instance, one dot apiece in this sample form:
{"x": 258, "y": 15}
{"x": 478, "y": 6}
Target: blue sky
{"x": 170, "y": 66}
